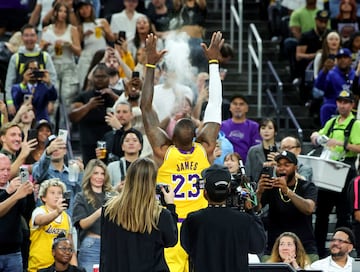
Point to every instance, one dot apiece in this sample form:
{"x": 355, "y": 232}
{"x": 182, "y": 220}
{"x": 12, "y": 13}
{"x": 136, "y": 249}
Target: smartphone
{"x": 32, "y": 134}
{"x": 24, "y": 174}
{"x": 63, "y": 134}
{"x": 135, "y": 74}
{"x": 27, "y": 97}
{"x": 268, "y": 171}
{"x": 122, "y": 34}
{"x": 109, "y": 110}
{"x": 66, "y": 197}
{"x": 38, "y": 74}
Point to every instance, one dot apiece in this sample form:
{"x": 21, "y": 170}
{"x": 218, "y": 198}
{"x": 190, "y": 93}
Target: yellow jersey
{"x": 181, "y": 171}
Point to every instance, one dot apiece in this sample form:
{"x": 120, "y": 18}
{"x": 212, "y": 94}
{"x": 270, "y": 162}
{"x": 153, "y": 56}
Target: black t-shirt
{"x": 71, "y": 268}
{"x": 312, "y": 40}
{"x": 284, "y": 216}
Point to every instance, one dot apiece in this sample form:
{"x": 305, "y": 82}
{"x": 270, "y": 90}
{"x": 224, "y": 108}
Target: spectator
{"x": 46, "y": 222}
{"x": 264, "y": 152}
{"x": 219, "y": 225}
{"x": 341, "y": 245}
{"x": 93, "y": 34}
{"x": 293, "y": 145}
{"x": 41, "y": 8}
{"x": 131, "y": 144}
{"x": 18, "y": 60}
{"x": 16, "y": 200}
{"x": 25, "y": 117}
{"x": 291, "y": 204}
{"x": 354, "y": 45}
{"x": 160, "y": 14}
{"x": 49, "y": 16}
{"x": 135, "y": 224}
{"x": 61, "y": 40}
{"x": 243, "y": 133}
{"x": 62, "y": 250}
{"x": 126, "y": 19}
{"x": 35, "y": 87}
{"x": 52, "y": 165}
{"x": 222, "y": 149}
{"x": 89, "y": 110}
{"x": 180, "y": 154}
{"x": 346, "y": 23}
{"x": 333, "y": 82}
{"x": 344, "y": 147}
{"x": 289, "y": 249}
{"x": 96, "y": 187}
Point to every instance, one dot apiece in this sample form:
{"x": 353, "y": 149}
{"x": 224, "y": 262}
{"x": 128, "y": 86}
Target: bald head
{"x": 291, "y": 144}
{"x": 5, "y": 167}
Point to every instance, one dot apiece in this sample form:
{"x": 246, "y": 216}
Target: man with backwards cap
{"x": 291, "y": 203}
{"x": 343, "y": 148}
{"x": 219, "y": 238}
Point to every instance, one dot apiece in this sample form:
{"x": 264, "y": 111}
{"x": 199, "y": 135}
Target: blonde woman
{"x": 96, "y": 187}
{"x": 135, "y": 228}
{"x": 289, "y": 249}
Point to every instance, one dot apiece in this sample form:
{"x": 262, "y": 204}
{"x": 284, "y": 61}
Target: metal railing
{"x": 293, "y": 119}
{"x": 257, "y": 59}
{"x": 236, "y": 15}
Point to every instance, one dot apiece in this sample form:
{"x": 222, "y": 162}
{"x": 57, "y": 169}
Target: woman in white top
{"x": 61, "y": 40}
{"x": 93, "y": 33}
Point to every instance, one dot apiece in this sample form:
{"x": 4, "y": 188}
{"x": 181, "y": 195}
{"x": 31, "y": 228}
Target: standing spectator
{"x": 37, "y": 89}
{"x": 181, "y": 155}
{"x": 219, "y": 225}
{"x": 93, "y": 34}
{"x": 131, "y": 143}
{"x": 289, "y": 249}
{"x": 259, "y": 154}
{"x": 13, "y": 193}
{"x": 160, "y": 14}
{"x": 344, "y": 146}
{"x": 134, "y": 224}
{"x": 41, "y": 8}
{"x": 126, "y": 19}
{"x": 18, "y": 60}
{"x": 96, "y": 186}
{"x": 243, "y": 133}
{"x": 52, "y": 165}
{"x": 89, "y": 110}
{"x": 46, "y": 222}
{"x": 62, "y": 250}
{"x": 341, "y": 244}
{"x": 61, "y": 40}
{"x": 291, "y": 203}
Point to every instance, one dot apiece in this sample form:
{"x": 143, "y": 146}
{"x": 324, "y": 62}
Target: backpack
{"x": 347, "y": 130}
{"x": 22, "y": 58}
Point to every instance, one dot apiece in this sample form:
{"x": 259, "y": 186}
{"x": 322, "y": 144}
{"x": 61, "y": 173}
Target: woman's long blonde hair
{"x": 89, "y": 194}
{"x": 301, "y": 258}
{"x": 136, "y": 209}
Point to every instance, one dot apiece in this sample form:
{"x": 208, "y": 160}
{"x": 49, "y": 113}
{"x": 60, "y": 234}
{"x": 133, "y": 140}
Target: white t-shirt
{"x": 328, "y": 265}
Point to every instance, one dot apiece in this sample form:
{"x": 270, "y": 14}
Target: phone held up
{"x": 24, "y": 174}
{"x": 66, "y": 197}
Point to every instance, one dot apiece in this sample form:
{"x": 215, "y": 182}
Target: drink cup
{"x": 102, "y": 146}
{"x": 96, "y": 268}
{"x": 98, "y": 32}
{"x": 58, "y": 49}
{"x": 74, "y": 171}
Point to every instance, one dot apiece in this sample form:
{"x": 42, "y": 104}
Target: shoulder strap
{"x": 331, "y": 128}
{"x": 348, "y": 128}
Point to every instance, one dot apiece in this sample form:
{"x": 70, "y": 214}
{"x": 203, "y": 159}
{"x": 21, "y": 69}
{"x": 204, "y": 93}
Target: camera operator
{"x": 291, "y": 203}
{"x": 36, "y": 89}
{"x": 232, "y": 234}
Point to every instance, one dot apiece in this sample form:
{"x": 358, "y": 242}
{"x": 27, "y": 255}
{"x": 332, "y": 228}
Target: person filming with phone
{"x": 291, "y": 203}
{"x": 36, "y": 89}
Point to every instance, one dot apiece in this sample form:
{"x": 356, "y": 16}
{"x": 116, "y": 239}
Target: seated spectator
{"x": 131, "y": 144}
{"x": 354, "y": 45}
{"x": 289, "y": 249}
{"x": 35, "y": 87}
{"x": 62, "y": 250}
{"x": 346, "y": 23}
{"x": 51, "y": 216}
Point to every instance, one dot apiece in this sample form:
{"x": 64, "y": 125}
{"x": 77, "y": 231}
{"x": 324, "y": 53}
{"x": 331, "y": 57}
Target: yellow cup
{"x": 58, "y": 49}
{"x": 98, "y": 32}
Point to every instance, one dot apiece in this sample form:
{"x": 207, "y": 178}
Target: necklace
{"x": 282, "y": 196}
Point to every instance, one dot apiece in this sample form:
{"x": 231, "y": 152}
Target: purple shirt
{"x": 241, "y": 135}
{"x": 14, "y": 4}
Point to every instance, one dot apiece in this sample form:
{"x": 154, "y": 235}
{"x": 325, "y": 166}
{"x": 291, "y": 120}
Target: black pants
{"x": 325, "y": 203}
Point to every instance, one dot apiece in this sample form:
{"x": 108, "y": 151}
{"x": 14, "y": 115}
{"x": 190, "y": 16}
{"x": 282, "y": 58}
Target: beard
{"x": 134, "y": 97}
{"x": 337, "y": 254}
{"x": 290, "y": 177}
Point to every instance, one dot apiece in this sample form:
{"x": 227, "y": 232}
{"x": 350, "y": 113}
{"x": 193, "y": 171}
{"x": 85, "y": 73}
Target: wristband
{"x": 213, "y": 61}
{"x": 150, "y": 65}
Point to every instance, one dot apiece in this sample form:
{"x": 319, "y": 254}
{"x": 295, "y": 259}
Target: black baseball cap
{"x": 346, "y": 95}
{"x": 289, "y": 156}
{"x": 217, "y": 179}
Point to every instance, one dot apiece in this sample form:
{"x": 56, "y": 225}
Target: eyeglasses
{"x": 340, "y": 241}
{"x": 66, "y": 249}
{"x": 289, "y": 147}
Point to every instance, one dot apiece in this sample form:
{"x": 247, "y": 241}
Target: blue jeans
{"x": 11, "y": 262}
{"x": 89, "y": 253}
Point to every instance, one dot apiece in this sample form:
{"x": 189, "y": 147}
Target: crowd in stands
{"x": 143, "y": 89}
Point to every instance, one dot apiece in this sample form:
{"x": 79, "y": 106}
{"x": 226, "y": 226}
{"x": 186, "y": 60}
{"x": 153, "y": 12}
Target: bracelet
{"x": 150, "y": 65}
{"x": 287, "y": 192}
{"x": 215, "y": 61}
